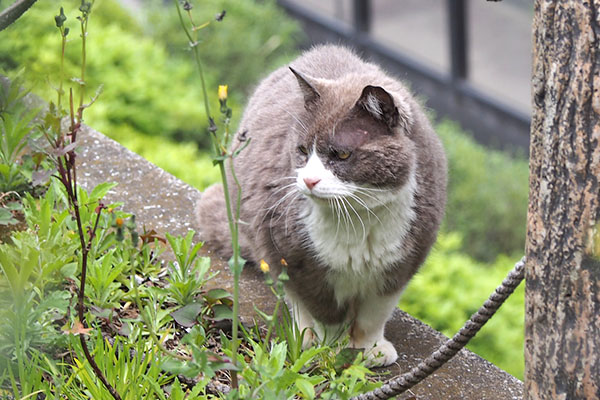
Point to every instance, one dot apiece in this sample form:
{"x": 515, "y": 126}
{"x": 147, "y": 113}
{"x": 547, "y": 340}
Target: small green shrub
{"x": 142, "y": 86}
{"x": 22, "y": 169}
{"x": 253, "y": 38}
{"x": 451, "y": 286}
{"x": 149, "y": 84}
{"x": 487, "y": 195}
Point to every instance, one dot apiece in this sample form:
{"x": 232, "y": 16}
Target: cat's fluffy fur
{"x": 344, "y": 179}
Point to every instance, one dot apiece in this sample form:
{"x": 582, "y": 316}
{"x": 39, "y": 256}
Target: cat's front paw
{"x": 381, "y": 354}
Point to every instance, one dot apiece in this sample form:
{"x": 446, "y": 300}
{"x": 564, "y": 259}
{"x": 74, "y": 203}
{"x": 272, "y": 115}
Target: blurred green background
{"x": 151, "y": 103}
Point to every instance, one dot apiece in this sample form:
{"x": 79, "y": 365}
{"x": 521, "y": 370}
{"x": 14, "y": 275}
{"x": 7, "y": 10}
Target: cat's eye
{"x": 341, "y": 154}
{"x": 303, "y": 150}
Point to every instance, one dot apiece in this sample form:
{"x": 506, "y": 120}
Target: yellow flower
{"x": 264, "y": 267}
{"x": 119, "y": 222}
{"x": 222, "y": 92}
{"x": 283, "y": 262}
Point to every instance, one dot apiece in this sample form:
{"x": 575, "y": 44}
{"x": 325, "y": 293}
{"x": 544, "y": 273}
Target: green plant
{"x": 150, "y": 97}
{"x": 104, "y": 290}
{"x": 222, "y": 152}
{"x": 26, "y": 379}
{"x": 20, "y": 173}
{"x": 187, "y": 275}
{"x": 318, "y": 372}
{"x": 241, "y": 63}
{"x": 452, "y": 285}
{"x": 487, "y": 196}
{"x": 34, "y": 263}
{"x": 134, "y": 366}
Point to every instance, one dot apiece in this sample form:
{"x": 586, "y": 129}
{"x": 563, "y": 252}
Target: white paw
{"x": 381, "y": 355}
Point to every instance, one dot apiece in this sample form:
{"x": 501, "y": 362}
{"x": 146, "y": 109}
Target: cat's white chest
{"x": 358, "y": 245}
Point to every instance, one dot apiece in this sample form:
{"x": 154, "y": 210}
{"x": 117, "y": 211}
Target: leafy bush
{"x": 254, "y": 38}
{"x": 143, "y": 87}
{"x": 147, "y": 87}
{"x": 487, "y": 196}
{"x": 451, "y": 286}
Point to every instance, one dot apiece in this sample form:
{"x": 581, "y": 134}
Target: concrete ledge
{"x": 165, "y": 204}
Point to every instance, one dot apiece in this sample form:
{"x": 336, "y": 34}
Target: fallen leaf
{"x": 77, "y": 329}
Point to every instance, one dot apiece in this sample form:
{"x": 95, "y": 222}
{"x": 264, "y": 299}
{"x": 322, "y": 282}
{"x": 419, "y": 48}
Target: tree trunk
{"x": 562, "y": 323}
{"x": 13, "y": 12}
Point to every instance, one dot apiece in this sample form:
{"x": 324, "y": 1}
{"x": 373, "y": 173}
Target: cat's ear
{"x": 380, "y": 104}
{"x": 310, "y": 93}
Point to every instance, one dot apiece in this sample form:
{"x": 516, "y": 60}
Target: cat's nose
{"x": 311, "y": 182}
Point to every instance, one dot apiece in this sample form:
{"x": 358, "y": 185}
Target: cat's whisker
{"x": 362, "y": 204}
{"x": 283, "y": 178}
{"x": 279, "y": 202}
{"x": 376, "y": 200}
{"x": 366, "y": 207}
{"x": 342, "y": 214}
{"x": 348, "y": 217}
{"x": 334, "y": 205}
{"x": 272, "y": 213}
{"x": 302, "y": 124}
{"x": 277, "y": 191}
{"x": 359, "y": 218}
{"x": 365, "y": 189}
{"x": 333, "y": 129}
{"x": 287, "y": 210}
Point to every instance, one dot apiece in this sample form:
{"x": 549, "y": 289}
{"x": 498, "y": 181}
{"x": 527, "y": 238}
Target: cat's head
{"x": 351, "y": 137}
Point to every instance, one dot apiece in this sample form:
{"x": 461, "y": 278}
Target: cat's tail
{"x": 212, "y": 220}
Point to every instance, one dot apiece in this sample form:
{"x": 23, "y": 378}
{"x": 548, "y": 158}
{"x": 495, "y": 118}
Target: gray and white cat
{"x": 345, "y": 180}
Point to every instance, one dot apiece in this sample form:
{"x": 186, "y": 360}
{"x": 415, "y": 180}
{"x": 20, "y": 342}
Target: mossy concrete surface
{"x": 165, "y": 204}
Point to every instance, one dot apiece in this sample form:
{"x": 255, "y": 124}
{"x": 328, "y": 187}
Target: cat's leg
{"x": 331, "y": 333}
{"x": 367, "y": 329}
{"x": 303, "y": 319}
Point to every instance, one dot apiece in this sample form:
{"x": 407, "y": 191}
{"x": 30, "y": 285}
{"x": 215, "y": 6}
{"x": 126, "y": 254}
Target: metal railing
{"x": 450, "y": 93}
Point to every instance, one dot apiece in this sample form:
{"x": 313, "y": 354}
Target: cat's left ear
{"x": 380, "y": 104}
{"x": 309, "y": 91}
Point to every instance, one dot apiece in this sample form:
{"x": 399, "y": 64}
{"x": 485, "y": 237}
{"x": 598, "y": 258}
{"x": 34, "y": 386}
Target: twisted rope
{"x": 403, "y": 382}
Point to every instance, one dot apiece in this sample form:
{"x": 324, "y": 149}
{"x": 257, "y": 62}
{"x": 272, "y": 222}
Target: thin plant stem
{"x": 84, "y": 21}
{"x": 62, "y": 68}
{"x": 272, "y": 322}
{"x": 233, "y": 222}
{"x": 68, "y": 176}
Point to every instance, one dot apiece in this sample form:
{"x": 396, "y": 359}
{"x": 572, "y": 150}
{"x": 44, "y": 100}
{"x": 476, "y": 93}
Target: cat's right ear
{"x": 310, "y": 93}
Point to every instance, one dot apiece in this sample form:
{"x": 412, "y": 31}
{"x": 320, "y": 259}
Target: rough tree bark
{"x": 13, "y": 12}
{"x": 562, "y": 329}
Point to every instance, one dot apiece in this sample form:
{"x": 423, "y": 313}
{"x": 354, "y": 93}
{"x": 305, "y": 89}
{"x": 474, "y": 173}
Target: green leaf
{"x": 345, "y": 358}
{"x": 176, "y": 391}
{"x": 306, "y": 357}
{"x": 14, "y": 206}
{"x": 58, "y": 299}
{"x": 6, "y": 217}
{"x": 305, "y": 387}
{"x": 277, "y": 358}
{"x": 187, "y": 316}
{"x": 236, "y": 269}
{"x": 69, "y": 270}
{"x": 100, "y": 191}
{"x": 216, "y": 294}
{"x": 178, "y": 367}
{"x": 221, "y": 312}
